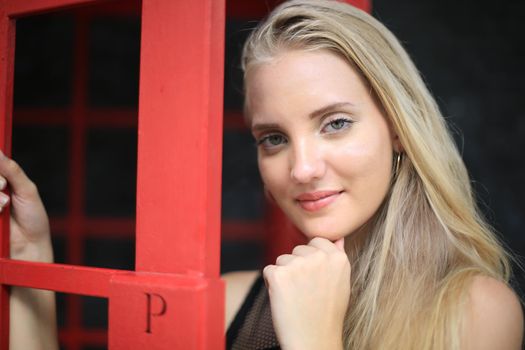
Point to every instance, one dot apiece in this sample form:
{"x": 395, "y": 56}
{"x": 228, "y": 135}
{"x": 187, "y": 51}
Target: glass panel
{"x": 241, "y": 255}
{"x": 114, "y": 55}
{"x": 42, "y": 151}
{"x": 59, "y": 247}
{"x": 241, "y": 184}
{"x": 236, "y": 33}
{"x": 111, "y": 172}
{"x": 115, "y": 253}
{"x": 94, "y": 312}
{"x": 61, "y": 309}
{"x": 43, "y": 60}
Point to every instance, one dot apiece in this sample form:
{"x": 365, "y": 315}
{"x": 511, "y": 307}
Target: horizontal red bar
{"x": 82, "y": 280}
{"x": 90, "y": 281}
{"x": 234, "y": 120}
{"x": 242, "y": 230}
{"x": 84, "y": 336}
{"x": 253, "y": 9}
{"x": 17, "y": 8}
{"x": 116, "y": 117}
{"x": 125, "y": 228}
{"x": 103, "y": 118}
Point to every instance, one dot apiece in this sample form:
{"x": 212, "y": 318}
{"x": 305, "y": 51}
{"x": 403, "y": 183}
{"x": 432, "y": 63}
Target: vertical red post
{"x": 77, "y": 171}
{"x": 7, "y": 53}
{"x": 178, "y": 184}
{"x": 180, "y": 137}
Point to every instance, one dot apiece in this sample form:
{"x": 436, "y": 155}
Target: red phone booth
{"x": 174, "y": 298}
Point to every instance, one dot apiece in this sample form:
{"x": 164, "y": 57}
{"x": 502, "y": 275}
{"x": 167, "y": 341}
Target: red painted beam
{"x": 96, "y": 337}
{"x": 365, "y": 5}
{"x": 99, "y": 118}
{"x": 253, "y": 9}
{"x": 7, "y": 54}
{"x": 244, "y": 230}
{"x": 234, "y": 120}
{"x": 90, "y": 281}
{"x": 102, "y": 118}
{"x": 180, "y": 137}
{"x": 257, "y": 9}
{"x": 18, "y": 8}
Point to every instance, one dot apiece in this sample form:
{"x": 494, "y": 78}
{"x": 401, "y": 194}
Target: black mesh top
{"x": 252, "y": 327}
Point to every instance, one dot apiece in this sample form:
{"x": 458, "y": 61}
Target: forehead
{"x": 299, "y": 82}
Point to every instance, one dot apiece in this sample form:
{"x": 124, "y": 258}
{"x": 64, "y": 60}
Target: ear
{"x": 396, "y": 143}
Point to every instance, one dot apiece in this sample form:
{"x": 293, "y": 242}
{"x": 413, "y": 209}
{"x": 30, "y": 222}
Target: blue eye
{"x": 337, "y": 124}
{"x": 272, "y": 140}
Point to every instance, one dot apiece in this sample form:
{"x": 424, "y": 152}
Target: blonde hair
{"x": 427, "y": 240}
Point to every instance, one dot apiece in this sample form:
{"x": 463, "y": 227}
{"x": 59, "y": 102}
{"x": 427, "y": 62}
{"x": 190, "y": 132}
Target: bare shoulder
{"x": 494, "y": 316}
{"x": 238, "y": 285}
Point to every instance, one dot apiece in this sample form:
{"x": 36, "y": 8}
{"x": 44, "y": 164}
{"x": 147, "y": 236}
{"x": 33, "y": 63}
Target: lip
{"x": 313, "y": 201}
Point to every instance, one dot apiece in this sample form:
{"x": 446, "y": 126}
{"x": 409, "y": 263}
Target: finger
{"x": 3, "y": 183}
{"x": 15, "y": 176}
{"x": 4, "y": 199}
{"x": 340, "y": 244}
{"x": 323, "y": 244}
{"x": 268, "y": 272}
{"x": 303, "y": 250}
{"x": 284, "y": 259}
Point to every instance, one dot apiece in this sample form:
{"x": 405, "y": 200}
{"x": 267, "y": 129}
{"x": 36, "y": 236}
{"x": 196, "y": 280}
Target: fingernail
{"x": 2, "y": 184}
{"x": 4, "y": 199}
{"x": 2, "y": 155}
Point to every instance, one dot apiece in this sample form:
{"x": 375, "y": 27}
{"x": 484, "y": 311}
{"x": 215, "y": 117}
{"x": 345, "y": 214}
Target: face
{"x": 325, "y": 148}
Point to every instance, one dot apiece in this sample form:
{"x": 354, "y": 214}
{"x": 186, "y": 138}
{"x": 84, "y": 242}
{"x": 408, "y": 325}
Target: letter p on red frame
{"x": 174, "y": 299}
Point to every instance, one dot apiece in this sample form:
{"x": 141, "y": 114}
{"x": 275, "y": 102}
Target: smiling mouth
{"x": 315, "y": 201}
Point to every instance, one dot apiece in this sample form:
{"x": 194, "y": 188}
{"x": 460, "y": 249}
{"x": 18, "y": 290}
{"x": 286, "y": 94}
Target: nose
{"x": 307, "y": 163}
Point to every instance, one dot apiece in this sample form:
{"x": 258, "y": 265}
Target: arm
{"x": 494, "y": 318}
{"x": 33, "y": 315}
{"x": 238, "y": 285}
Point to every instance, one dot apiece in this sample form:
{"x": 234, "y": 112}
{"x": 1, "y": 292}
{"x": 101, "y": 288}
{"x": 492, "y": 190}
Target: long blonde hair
{"x": 427, "y": 240}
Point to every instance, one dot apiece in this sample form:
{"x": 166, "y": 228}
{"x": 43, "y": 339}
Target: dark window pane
{"x": 111, "y": 172}
{"x": 43, "y": 61}
{"x": 115, "y": 253}
{"x": 61, "y": 309}
{"x": 114, "y": 55}
{"x": 236, "y": 33}
{"x": 43, "y": 154}
{"x": 241, "y": 255}
{"x": 59, "y": 248}
{"x": 241, "y": 184}
{"x": 94, "y": 312}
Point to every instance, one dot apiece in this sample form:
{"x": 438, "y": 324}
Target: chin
{"x": 324, "y": 231}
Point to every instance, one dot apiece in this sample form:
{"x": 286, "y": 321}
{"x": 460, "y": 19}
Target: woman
{"x": 354, "y": 150}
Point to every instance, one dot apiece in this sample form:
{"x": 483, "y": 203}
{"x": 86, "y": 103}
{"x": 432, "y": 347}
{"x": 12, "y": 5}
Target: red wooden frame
{"x": 173, "y": 165}
{"x": 175, "y": 298}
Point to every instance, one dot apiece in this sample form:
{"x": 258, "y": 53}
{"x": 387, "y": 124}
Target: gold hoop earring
{"x": 398, "y": 158}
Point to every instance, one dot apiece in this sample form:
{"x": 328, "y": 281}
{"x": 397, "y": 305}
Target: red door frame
{"x": 174, "y": 298}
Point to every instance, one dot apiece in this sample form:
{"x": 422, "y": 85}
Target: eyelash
{"x": 266, "y": 138}
{"x": 347, "y": 122}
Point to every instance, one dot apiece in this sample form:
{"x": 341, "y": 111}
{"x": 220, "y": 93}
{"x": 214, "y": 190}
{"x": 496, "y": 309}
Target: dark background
{"x": 470, "y": 53}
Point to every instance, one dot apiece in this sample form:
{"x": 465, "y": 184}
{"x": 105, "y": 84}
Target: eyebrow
{"x": 315, "y": 114}
{"x": 330, "y": 108}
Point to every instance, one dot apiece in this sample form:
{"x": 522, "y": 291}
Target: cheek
{"x": 364, "y": 162}
{"x": 273, "y": 173}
